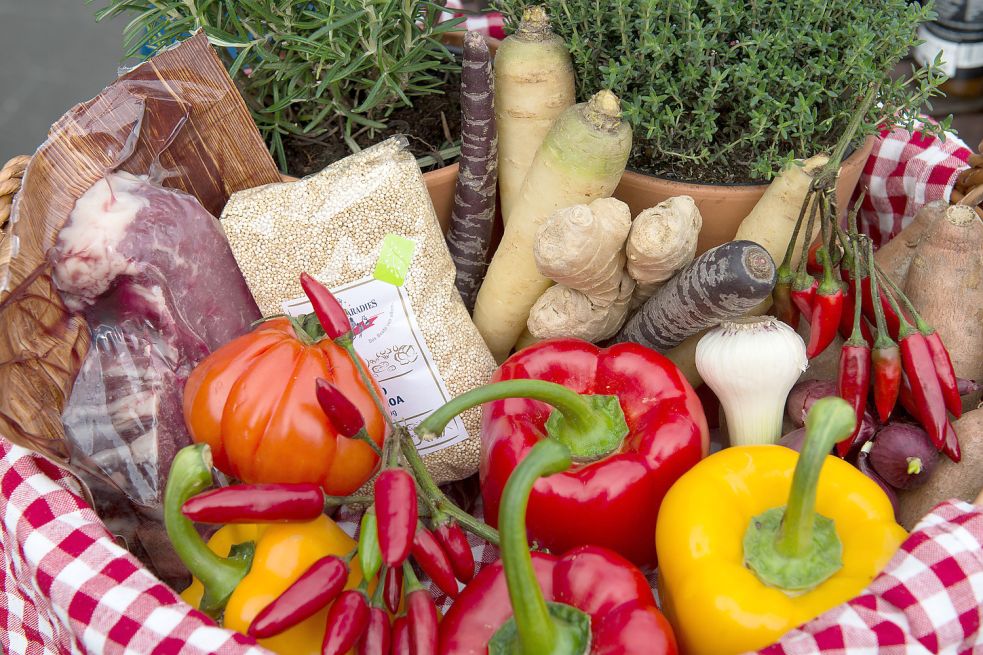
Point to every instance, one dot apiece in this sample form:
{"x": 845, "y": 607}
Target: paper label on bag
{"x": 388, "y": 338}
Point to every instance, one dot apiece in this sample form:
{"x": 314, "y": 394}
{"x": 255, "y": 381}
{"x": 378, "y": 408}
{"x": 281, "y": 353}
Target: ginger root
{"x": 582, "y": 247}
{"x": 662, "y": 241}
{"x": 565, "y": 312}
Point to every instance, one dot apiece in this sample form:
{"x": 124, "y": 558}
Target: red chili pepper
{"x": 257, "y": 503}
{"x": 434, "y": 561}
{"x": 950, "y": 445}
{"x": 376, "y": 640}
{"x": 813, "y": 264}
{"x": 393, "y": 591}
{"x": 328, "y": 310}
{"x": 396, "y": 514}
{"x": 846, "y": 318}
{"x": 886, "y": 360}
{"x": 804, "y": 295}
{"x": 854, "y": 383}
{"x": 311, "y": 592}
{"x": 455, "y": 544}
{"x": 342, "y": 412}
{"x": 946, "y": 374}
{"x": 826, "y": 311}
{"x": 401, "y": 636}
{"x": 422, "y": 616}
{"x": 346, "y": 622}
{"x": 916, "y": 359}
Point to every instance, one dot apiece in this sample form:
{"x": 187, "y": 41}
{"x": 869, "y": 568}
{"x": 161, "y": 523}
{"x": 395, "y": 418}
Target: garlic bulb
{"x": 752, "y": 364}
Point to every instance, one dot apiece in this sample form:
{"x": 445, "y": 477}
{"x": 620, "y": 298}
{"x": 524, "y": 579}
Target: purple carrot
{"x": 469, "y": 237}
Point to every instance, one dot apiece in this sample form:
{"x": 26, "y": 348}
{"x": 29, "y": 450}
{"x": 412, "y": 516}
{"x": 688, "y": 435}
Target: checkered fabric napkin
{"x": 929, "y": 599}
{"x": 490, "y": 23}
{"x": 904, "y": 172}
{"x": 67, "y": 587}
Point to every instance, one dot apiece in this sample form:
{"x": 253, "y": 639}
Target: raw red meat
{"x": 153, "y": 274}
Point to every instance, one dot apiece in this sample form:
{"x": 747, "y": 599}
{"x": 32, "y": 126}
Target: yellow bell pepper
{"x": 245, "y": 567}
{"x": 738, "y": 567}
{"x": 283, "y": 552}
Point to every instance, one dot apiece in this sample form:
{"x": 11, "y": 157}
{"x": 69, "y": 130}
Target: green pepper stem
{"x": 591, "y": 426}
{"x": 571, "y": 404}
{"x": 537, "y": 631}
{"x": 437, "y": 501}
{"x": 829, "y": 421}
{"x": 191, "y": 474}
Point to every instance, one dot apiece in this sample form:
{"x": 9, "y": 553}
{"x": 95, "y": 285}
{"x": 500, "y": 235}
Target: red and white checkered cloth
{"x": 904, "y": 172}
{"x": 68, "y": 588}
{"x": 490, "y": 23}
{"x": 929, "y": 599}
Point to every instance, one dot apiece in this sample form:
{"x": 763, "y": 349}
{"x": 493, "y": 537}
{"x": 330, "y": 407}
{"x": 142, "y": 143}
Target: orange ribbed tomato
{"x": 253, "y": 401}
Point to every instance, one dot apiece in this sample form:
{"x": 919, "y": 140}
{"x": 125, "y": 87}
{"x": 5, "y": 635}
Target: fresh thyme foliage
{"x": 724, "y": 91}
{"x": 316, "y": 68}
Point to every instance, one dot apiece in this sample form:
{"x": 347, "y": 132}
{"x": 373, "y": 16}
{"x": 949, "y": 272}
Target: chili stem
{"x": 923, "y": 327}
{"x": 804, "y": 256}
{"x": 435, "y": 497}
{"x": 787, "y": 261}
{"x": 347, "y": 342}
{"x": 875, "y": 293}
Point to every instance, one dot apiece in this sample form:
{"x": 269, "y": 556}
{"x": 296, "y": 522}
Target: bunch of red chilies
{"x": 391, "y": 532}
{"x": 909, "y": 362}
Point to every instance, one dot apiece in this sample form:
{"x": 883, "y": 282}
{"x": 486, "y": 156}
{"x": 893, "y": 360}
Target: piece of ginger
{"x": 565, "y": 312}
{"x": 661, "y": 242}
{"x": 583, "y": 248}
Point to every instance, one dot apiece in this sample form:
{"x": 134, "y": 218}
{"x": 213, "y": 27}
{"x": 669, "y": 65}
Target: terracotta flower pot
{"x": 723, "y": 206}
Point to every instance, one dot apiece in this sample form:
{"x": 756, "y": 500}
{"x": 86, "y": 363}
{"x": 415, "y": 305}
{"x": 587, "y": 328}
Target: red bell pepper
{"x": 595, "y": 596}
{"x": 642, "y": 430}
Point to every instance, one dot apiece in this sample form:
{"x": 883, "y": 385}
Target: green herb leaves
{"x": 723, "y": 91}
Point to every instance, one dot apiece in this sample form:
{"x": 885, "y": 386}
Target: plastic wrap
{"x": 169, "y": 291}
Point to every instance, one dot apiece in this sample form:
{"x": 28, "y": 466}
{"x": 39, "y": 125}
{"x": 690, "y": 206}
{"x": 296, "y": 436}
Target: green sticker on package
{"x": 394, "y": 259}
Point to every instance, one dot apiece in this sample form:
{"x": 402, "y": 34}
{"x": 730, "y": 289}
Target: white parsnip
{"x": 773, "y": 218}
{"x": 534, "y": 83}
{"x": 581, "y": 159}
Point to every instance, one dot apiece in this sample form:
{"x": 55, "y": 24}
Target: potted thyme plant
{"x": 721, "y": 95}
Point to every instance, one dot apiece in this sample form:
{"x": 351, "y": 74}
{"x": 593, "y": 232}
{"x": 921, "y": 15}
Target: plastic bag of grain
{"x": 365, "y": 227}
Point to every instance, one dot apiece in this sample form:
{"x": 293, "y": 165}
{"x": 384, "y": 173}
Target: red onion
{"x": 863, "y": 464}
{"x": 967, "y": 387}
{"x": 803, "y": 395}
{"x": 794, "y": 439}
{"x": 903, "y": 454}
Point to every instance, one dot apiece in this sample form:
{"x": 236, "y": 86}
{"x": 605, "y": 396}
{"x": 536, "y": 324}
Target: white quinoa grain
{"x": 331, "y": 225}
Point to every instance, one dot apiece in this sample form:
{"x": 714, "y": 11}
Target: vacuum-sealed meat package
{"x": 152, "y": 273}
